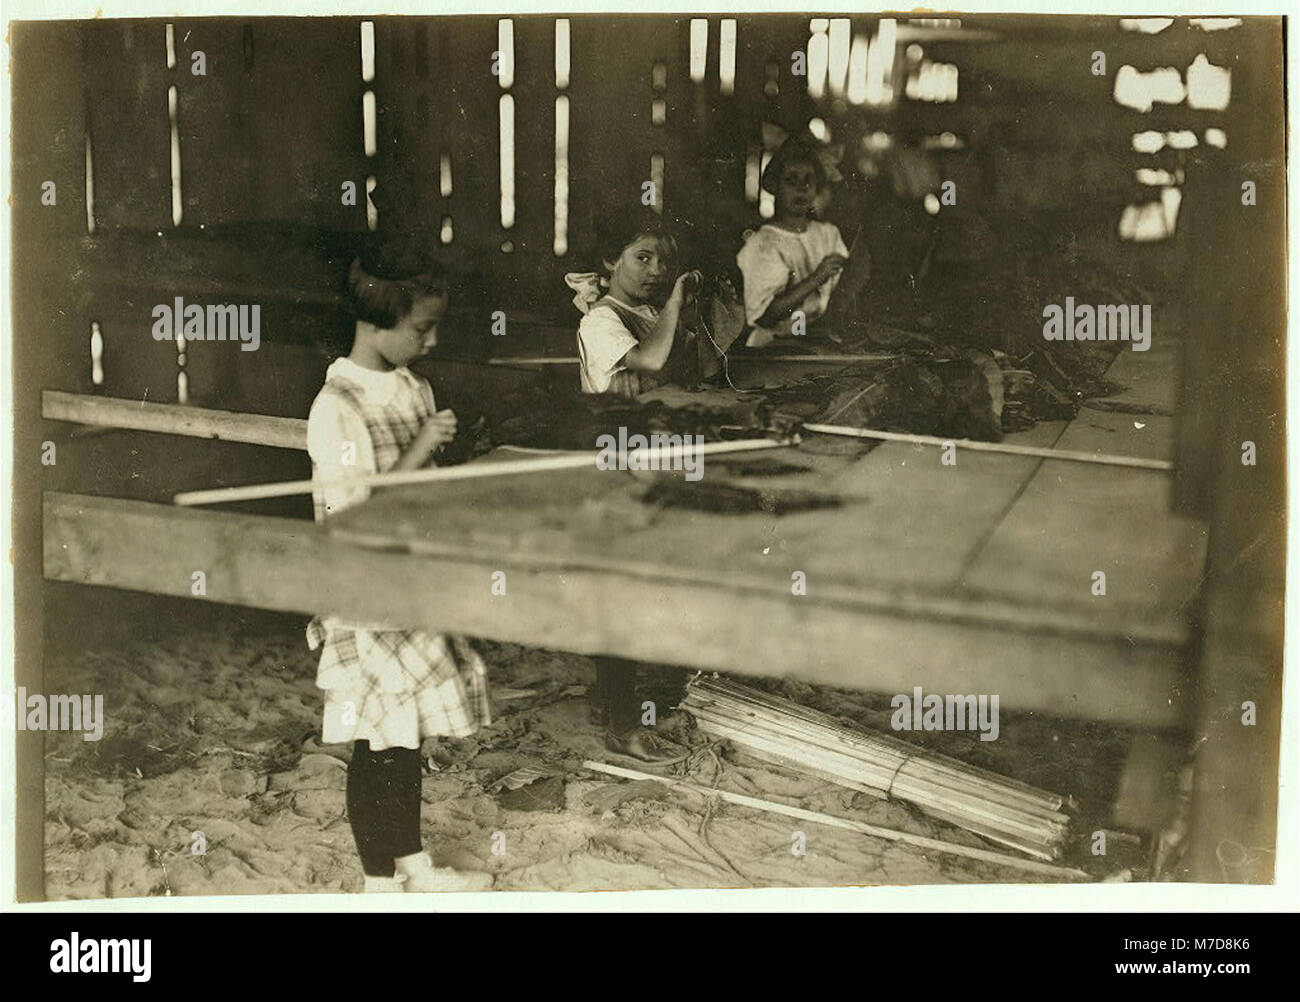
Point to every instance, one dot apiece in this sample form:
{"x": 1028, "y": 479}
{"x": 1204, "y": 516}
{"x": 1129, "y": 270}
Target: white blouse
{"x": 775, "y": 258}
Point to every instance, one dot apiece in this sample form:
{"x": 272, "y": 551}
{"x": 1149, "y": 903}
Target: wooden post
{"x": 1234, "y": 393}
{"x": 50, "y": 348}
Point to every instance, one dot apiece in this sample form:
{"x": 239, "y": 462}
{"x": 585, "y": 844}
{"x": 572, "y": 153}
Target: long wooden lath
{"x": 875, "y": 831}
{"x": 291, "y": 433}
{"x": 737, "y": 360}
{"x": 470, "y": 471}
{"x": 1005, "y": 448}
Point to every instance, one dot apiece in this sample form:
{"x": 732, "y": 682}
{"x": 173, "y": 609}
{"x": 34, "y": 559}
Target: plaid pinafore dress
{"x": 388, "y": 686}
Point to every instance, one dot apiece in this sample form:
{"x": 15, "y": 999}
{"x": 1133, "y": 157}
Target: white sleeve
{"x": 602, "y": 343}
{"x": 766, "y": 275}
{"x": 339, "y": 445}
{"x": 426, "y": 392}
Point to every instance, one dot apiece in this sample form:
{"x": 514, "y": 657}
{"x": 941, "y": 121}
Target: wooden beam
{"x": 1036, "y": 659}
{"x": 175, "y": 419}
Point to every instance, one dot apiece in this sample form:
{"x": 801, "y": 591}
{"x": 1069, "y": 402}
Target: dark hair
{"x": 793, "y": 151}
{"x": 616, "y": 232}
{"x": 387, "y": 278}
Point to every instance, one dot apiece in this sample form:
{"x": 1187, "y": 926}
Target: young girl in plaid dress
{"x": 386, "y": 689}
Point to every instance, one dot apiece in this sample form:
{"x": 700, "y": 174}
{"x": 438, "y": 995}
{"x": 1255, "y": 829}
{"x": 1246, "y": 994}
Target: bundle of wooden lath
{"x": 769, "y": 727}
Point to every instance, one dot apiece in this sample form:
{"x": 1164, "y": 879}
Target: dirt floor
{"x": 211, "y": 743}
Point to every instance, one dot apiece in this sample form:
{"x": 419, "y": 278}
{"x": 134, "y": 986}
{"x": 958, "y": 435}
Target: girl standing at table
{"x": 386, "y": 689}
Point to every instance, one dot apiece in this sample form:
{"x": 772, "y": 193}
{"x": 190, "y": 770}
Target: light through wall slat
{"x": 506, "y": 53}
{"x": 837, "y": 55}
{"x": 751, "y": 178}
{"x": 561, "y": 244}
{"x": 444, "y": 175}
{"x": 368, "y": 137}
{"x": 562, "y": 53}
{"x": 727, "y": 56}
{"x": 857, "y": 89}
{"x": 367, "y": 51}
{"x": 96, "y": 355}
{"x": 507, "y": 114}
{"x": 880, "y": 63}
{"x": 699, "y": 48}
{"x": 766, "y": 203}
{"x": 90, "y": 186}
{"x": 172, "y": 112}
{"x": 818, "y": 53}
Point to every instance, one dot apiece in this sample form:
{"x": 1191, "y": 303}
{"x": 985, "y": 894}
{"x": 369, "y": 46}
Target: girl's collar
{"x": 374, "y": 382}
{"x": 786, "y": 229}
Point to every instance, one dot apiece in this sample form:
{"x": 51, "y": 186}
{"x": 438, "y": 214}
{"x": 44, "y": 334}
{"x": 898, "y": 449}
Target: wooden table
{"x": 971, "y": 578}
{"x": 974, "y": 578}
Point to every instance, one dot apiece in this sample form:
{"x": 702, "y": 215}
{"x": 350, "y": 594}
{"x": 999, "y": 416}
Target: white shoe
{"x": 384, "y": 885}
{"x": 418, "y": 873}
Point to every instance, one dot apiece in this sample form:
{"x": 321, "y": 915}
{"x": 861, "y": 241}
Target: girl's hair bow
{"x": 829, "y": 155}
{"x": 587, "y": 287}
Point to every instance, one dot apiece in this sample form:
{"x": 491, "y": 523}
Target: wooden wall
{"x": 273, "y": 128}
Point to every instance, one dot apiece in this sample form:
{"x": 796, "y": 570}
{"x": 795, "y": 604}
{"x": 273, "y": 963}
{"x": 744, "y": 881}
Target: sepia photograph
{"x": 565, "y": 451}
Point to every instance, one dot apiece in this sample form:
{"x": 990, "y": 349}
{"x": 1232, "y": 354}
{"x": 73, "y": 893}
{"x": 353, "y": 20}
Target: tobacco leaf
{"x": 732, "y": 499}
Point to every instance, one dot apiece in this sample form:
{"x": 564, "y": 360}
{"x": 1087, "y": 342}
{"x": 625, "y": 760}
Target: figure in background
{"x": 793, "y": 265}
